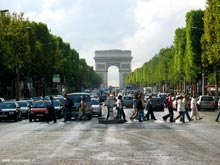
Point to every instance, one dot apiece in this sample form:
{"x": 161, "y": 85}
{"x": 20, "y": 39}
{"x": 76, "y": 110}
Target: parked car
{"x": 127, "y": 101}
{"x": 76, "y": 98}
{"x": 206, "y": 103}
{"x": 157, "y": 104}
{"x": 96, "y": 107}
{"x": 24, "y": 106}
{"x": 10, "y": 111}
{"x": 39, "y": 110}
{"x": 59, "y": 109}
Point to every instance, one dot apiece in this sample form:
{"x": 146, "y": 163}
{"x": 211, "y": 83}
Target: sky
{"x": 142, "y": 26}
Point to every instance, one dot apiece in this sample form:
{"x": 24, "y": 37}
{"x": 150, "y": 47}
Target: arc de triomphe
{"x": 119, "y": 58}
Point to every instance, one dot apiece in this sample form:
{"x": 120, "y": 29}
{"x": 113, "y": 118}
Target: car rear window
{"x": 22, "y": 104}
{"x": 95, "y": 102}
{"x": 128, "y": 98}
{"x": 77, "y": 97}
{"x": 207, "y": 99}
{"x": 157, "y": 100}
{"x": 7, "y": 105}
{"x": 41, "y": 104}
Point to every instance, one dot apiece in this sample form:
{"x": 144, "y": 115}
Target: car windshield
{"x": 56, "y": 102}
{"x": 77, "y": 97}
{"x": 41, "y": 104}
{"x": 30, "y": 102}
{"x": 7, "y": 105}
{"x": 128, "y": 98}
{"x": 58, "y": 98}
{"x": 22, "y": 104}
{"x": 94, "y": 102}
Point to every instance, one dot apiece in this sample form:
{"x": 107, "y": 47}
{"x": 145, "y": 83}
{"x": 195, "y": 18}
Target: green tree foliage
{"x": 194, "y": 26}
{"x": 28, "y": 48}
{"x": 211, "y": 38}
{"x": 179, "y": 53}
{"x": 154, "y": 72}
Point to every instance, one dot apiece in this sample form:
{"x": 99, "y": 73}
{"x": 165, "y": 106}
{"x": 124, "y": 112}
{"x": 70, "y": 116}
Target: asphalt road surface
{"x": 89, "y": 142}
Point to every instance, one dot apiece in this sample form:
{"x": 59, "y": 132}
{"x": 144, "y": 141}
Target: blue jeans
{"x": 140, "y": 115}
{"x": 187, "y": 113}
{"x": 218, "y": 115}
{"x": 66, "y": 110}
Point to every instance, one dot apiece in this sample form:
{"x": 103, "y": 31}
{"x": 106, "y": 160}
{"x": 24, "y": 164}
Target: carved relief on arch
{"x": 125, "y": 66}
{"x": 100, "y": 66}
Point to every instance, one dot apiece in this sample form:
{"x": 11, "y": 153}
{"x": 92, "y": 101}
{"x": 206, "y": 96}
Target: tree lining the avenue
{"x": 195, "y": 52}
{"x": 28, "y": 48}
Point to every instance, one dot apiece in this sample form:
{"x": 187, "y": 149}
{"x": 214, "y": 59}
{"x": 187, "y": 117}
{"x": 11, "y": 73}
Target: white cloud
{"x": 156, "y": 21}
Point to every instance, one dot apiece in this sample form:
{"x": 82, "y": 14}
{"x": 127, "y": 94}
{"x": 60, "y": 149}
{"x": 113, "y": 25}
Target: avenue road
{"x": 89, "y": 142}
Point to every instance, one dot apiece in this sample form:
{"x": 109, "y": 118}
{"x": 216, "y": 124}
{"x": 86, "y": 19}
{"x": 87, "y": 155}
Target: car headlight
{"x": 11, "y": 113}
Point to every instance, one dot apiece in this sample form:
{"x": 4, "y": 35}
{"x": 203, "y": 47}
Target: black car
{"x": 157, "y": 104}
{"x": 76, "y": 98}
{"x": 59, "y": 109}
{"x": 10, "y": 111}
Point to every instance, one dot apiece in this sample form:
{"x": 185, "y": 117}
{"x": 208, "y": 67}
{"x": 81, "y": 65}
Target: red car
{"x": 39, "y": 110}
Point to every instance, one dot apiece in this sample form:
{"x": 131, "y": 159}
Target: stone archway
{"x": 119, "y": 58}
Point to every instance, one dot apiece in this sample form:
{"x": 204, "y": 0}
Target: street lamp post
{"x": 203, "y": 83}
{"x": 216, "y": 82}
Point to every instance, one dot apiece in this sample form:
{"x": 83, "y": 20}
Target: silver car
{"x": 96, "y": 107}
{"x": 206, "y": 103}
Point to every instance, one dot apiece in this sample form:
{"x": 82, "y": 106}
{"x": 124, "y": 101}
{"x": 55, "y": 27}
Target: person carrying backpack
{"x": 68, "y": 103}
{"x": 51, "y": 112}
{"x": 149, "y": 108}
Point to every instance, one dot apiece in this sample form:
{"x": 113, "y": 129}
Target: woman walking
{"x": 186, "y": 103}
{"x": 82, "y": 109}
{"x": 120, "y": 109}
{"x": 134, "y": 113}
{"x": 194, "y": 109}
{"x": 180, "y": 109}
{"x": 140, "y": 107}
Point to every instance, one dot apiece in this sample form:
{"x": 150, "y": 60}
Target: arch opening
{"x": 113, "y": 76}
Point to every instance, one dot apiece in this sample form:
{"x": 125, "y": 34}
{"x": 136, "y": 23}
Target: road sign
{"x": 56, "y": 78}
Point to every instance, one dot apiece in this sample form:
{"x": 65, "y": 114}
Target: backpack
{"x": 69, "y": 102}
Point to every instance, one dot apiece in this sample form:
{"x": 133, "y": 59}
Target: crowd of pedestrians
{"x": 182, "y": 102}
{"x": 140, "y": 105}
